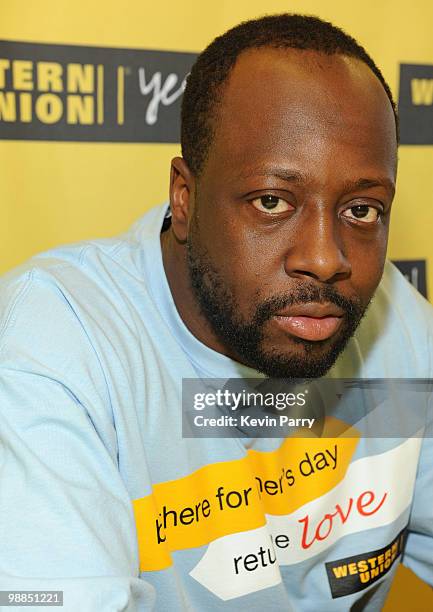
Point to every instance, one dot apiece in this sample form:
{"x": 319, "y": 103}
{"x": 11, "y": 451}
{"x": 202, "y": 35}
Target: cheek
{"x": 245, "y": 263}
{"x": 246, "y": 257}
{"x": 367, "y": 260}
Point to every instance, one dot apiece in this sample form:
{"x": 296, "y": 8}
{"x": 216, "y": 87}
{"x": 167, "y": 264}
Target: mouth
{"x": 312, "y": 321}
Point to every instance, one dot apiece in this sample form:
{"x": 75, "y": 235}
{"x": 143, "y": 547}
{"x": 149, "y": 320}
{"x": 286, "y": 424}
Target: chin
{"x": 302, "y": 359}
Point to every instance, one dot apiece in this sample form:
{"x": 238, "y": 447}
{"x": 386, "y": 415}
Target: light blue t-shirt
{"x": 102, "y": 498}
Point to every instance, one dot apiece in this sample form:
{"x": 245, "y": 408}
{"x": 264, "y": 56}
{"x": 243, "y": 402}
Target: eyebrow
{"x": 364, "y": 183}
{"x": 293, "y": 176}
{"x": 277, "y": 171}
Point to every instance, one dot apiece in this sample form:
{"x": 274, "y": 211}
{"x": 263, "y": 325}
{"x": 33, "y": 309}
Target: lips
{"x": 312, "y": 321}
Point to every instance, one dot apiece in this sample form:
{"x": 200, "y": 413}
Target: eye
{"x": 271, "y": 204}
{"x": 363, "y": 213}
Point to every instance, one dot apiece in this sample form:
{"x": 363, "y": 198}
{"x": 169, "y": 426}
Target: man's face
{"x": 289, "y": 219}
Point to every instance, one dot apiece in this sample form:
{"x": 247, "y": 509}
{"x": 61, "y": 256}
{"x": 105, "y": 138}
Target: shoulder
{"x": 75, "y": 307}
{"x": 49, "y": 283}
{"x": 395, "y": 337}
{"x": 400, "y": 309}
{"x": 84, "y": 275}
{"x": 397, "y": 290}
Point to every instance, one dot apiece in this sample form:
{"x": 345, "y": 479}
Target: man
{"x": 273, "y": 250}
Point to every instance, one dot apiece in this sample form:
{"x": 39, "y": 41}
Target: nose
{"x": 318, "y": 250}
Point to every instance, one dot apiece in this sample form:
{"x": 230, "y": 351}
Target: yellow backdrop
{"x": 56, "y": 192}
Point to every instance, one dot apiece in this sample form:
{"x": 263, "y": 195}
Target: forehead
{"x": 278, "y": 102}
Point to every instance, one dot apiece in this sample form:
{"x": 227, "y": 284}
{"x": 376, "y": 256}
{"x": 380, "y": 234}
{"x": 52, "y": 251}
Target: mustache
{"x": 352, "y": 307}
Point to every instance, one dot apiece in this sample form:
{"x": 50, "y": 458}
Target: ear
{"x": 181, "y": 197}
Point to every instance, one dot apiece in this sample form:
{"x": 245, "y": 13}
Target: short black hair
{"x": 213, "y": 66}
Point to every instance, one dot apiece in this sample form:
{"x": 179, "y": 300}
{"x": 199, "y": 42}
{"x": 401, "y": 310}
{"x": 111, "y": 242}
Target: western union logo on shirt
{"x": 67, "y": 92}
{"x": 347, "y": 576}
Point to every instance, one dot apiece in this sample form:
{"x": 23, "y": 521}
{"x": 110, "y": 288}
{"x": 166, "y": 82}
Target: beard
{"x": 245, "y": 339}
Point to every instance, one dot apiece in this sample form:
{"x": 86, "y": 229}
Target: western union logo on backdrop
{"x": 68, "y": 92}
{"x": 415, "y": 104}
